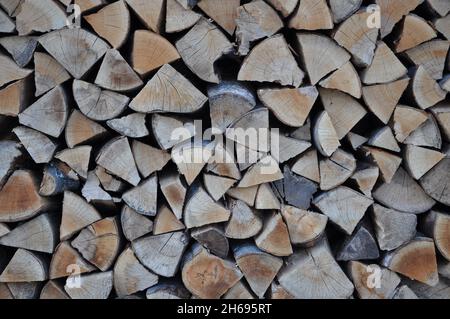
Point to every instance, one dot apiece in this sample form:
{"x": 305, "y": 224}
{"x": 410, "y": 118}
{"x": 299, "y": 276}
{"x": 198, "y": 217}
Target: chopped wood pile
{"x": 232, "y": 149}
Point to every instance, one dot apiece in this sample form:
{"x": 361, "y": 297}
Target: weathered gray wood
{"x": 213, "y": 239}
{"x": 359, "y": 246}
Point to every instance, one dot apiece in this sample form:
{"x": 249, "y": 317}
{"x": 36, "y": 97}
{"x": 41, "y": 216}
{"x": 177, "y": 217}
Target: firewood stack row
{"x": 116, "y": 118}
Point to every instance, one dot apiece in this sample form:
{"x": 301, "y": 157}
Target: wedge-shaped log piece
{"x": 384, "y": 138}
{"x": 76, "y": 50}
{"x": 342, "y": 9}
{"x": 266, "y": 198}
{"x": 15, "y": 97}
{"x": 271, "y": 61}
{"x": 285, "y": 7}
{"x": 246, "y": 157}
{"x": 20, "y": 48}
{"x": 191, "y": 158}
{"x": 265, "y": 171}
{"x": 39, "y": 146}
{"x": 93, "y": 192}
{"x": 53, "y": 290}
{"x": 428, "y": 134}
{"x": 109, "y": 182}
{"x": 356, "y": 140}
{"x": 325, "y": 135}
{"x": 25, "y": 266}
{"x": 10, "y": 155}
{"x": 63, "y": 260}
{"x": 97, "y": 104}
{"x": 132, "y": 125}
{"x": 393, "y": 12}
{"x": 393, "y": 228}
{"x": 168, "y": 91}
{"x": 336, "y": 170}
{"x": 274, "y": 238}
{"x": 382, "y": 99}
{"x": 244, "y": 223}
{"x": 431, "y": 55}
{"x": 19, "y": 198}
{"x": 111, "y": 23}
{"x": 344, "y": 111}
{"x": 81, "y": 129}
{"x": 304, "y": 275}
{"x": 213, "y": 239}
{"x": 290, "y": 106}
{"x": 57, "y": 178}
{"x": 11, "y": 6}
{"x": 406, "y": 120}
{"x": 162, "y": 253}
{"x": 365, "y": 178}
{"x": 6, "y": 23}
{"x": 149, "y": 159}
{"x": 305, "y": 227}
{"x": 356, "y": 35}
{"x": 201, "y": 209}
{"x": 208, "y": 276}
{"x": 151, "y": 13}
{"x": 223, "y": 13}
{"x": 76, "y": 214}
{"x": 201, "y": 47}
{"x": 217, "y": 186}
{"x": 168, "y": 290}
{"x": 258, "y": 267}
{"x": 174, "y": 191}
{"x": 116, "y": 74}
{"x": 419, "y": 160}
{"x": 255, "y": 20}
{"x": 307, "y": 166}
{"x": 443, "y": 26}
{"x": 144, "y": 60}
{"x": 166, "y": 221}
{"x": 238, "y": 291}
{"x": 313, "y": 48}
{"x": 134, "y": 225}
{"x": 117, "y": 158}
{"x": 403, "y": 194}
{"x": 10, "y": 71}
{"x": 164, "y": 129}
{"x": 179, "y": 18}
{"x": 437, "y": 226}
{"x": 87, "y": 5}
{"x": 99, "y": 243}
{"x": 360, "y": 273}
{"x": 359, "y": 246}
{"x": 415, "y": 260}
{"x": 130, "y": 276}
{"x": 143, "y": 198}
{"x": 436, "y": 182}
{"x": 77, "y": 158}
{"x": 415, "y": 31}
{"x": 385, "y": 67}
{"x": 24, "y": 290}
{"x": 344, "y": 206}
{"x": 40, "y": 16}
{"x": 245, "y": 194}
{"x": 38, "y": 234}
{"x": 312, "y": 15}
{"x": 426, "y": 91}
{"x": 386, "y": 162}
{"x": 93, "y": 286}
{"x": 344, "y": 79}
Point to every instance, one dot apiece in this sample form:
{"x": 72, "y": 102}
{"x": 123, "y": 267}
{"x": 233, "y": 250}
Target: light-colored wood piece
{"x": 40, "y": 16}
{"x": 179, "y": 18}
{"x": 274, "y": 238}
{"x": 63, "y": 260}
{"x": 325, "y": 136}
{"x": 415, "y": 31}
{"x": 244, "y": 222}
{"x": 312, "y": 15}
{"x": 39, "y": 146}
{"x": 223, "y": 13}
{"x": 25, "y": 266}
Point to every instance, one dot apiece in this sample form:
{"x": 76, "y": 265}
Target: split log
{"x": 219, "y": 275}
{"x": 97, "y": 104}
{"x": 25, "y": 266}
{"x": 365, "y": 178}
{"x": 94, "y": 193}
{"x": 109, "y": 182}
{"x": 386, "y": 162}
{"x": 87, "y": 5}
{"x": 303, "y": 132}
{"x": 170, "y": 290}
{"x": 406, "y": 120}
{"x": 265, "y": 171}
{"x": 130, "y": 276}
{"x": 415, "y": 31}
{"x": 238, "y": 291}
{"x": 143, "y": 198}
{"x": 38, "y": 234}
{"x": 415, "y": 260}
{"x": 356, "y": 35}
{"x": 382, "y": 99}
{"x": 356, "y": 140}
{"x": 210, "y": 45}
{"x": 246, "y": 156}
{"x": 117, "y": 158}
{"x": 361, "y": 245}
{"x": 76, "y": 214}
{"x": 116, "y": 74}
{"x": 132, "y": 125}
{"x": 245, "y": 194}
{"x": 200, "y": 209}
{"x": 40, "y": 16}
{"x": 426, "y": 91}
{"x": 431, "y": 55}
{"x": 285, "y": 7}
{"x": 10, "y": 71}
{"x": 384, "y": 138}
{"x": 403, "y": 194}
{"x": 278, "y": 292}
{"x": 274, "y": 238}
{"x": 20, "y": 48}
{"x": 166, "y": 128}
{"x": 437, "y": 226}
{"x": 112, "y": 23}
{"x": 58, "y": 178}
{"x": 174, "y": 191}
{"x": 217, "y": 186}
{"x": 266, "y": 198}
{"x": 290, "y": 106}
{"x": 11, "y": 6}
{"x": 67, "y": 260}
{"x": 166, "y": 222}
{"x": 213, "y": 239}
{"x": 261, "y": 64}
{"x": 162, "y": 253}
{"x": 336, "y": 170}
{"x": 68, "y": 45}
{"x": 344, "y": 206}
{"x": 441, "y": 113}
{"x": 426, "y": 135}
{"x": 99, "y": 243}
{"x": 76, "y": 158}
{"x": 312, "y": 15}
{"x": 39, "y": 146}
{"x": 191, "y": 158}
{"x": 134, "y": 225}
{"x": 168, "y": 91}
{"x": 149, "y": 159}
{"x": 151, "y": 13}
{"x": 303, "y": 275}
{"x": 308, "y": 166}
{"x": 93, "y": 286}
{"x": 419, "y": 160}
{"x": 15, "y": 97}
{"x": 255, "y": 20}
{"x": 6, "y": 23}
{"x": 179, "y": 18}
{"x": 244, "y": 222}
{"x": 144, "y": 60}
{"x": 344, "y": 79}
{"x": 312, "y": 49}
{"x": 366, "y": 288}
{"x": 325, "y": 136}
{"x": 258, "y": 268}
{"x": 224, "y": 13}
{"x": 305, "y": 227}
{"x": 53, "y": 290}
{"x": 19, "y": 198}
{"x": 80, "y": 130}
{"x": 443, "y": 26}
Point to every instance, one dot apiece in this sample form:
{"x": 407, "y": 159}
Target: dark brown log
{"x": 213, "y": 239}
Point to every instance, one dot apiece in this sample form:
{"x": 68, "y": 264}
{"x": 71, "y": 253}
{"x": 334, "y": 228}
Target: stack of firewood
{"x": 105, "y": 107}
